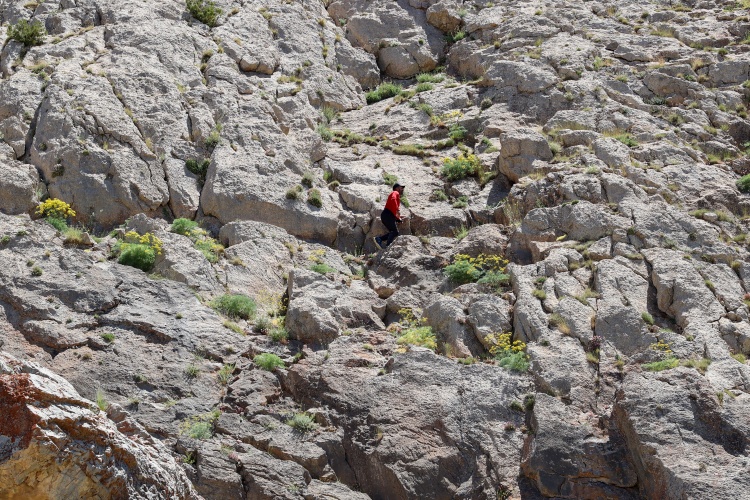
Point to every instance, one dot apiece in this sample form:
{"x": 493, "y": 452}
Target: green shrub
{"x": 204, "y": 11}
{"x": 461, "y": 232}
{"x": 279, "y": 334}
{"x": 743, "y": 183}
{"x": 307, "y": 179}
{"x": 461, "y": 271}
{"x": 314, "y": 198}
{"x": 101, "y": 400}
{"x": 423, "y": 87}
{"x": 58, "y": 224}
{"x": 322, "y": 268}
{"x": 185, "y": 227}
{"x": 137, "y": 255}
{"x": 410, "y": 150}
{"x": 420, "y": 336}
{"x": 29, "y": 34}
{"x": 235, "y": 306}
{"x": 302, "y": 422}
{"x": 108, "y": 337}
{"x": 200, "y": 426}
{"x": 467, "y": 269}
{"x": 389, "y": 179}
{"x": 539, "y": 294}
{"x": 268, "y": 361}
{"x": 192, "y": 371}
{"x": 438, "y": 195}
{"x": 647, "y": 318}
{"x": 383, "y": 91}
{"x": 292, "y": 193}
{"x": 213, "y": 140}
{"x": 72, "y": 236}
{"x": 455, "y": 37}
{"x": 199, "y": 168}
{"x": 200, "y": 430}
{"x": 665, "y": 364}
{"x": 230, "y": 325}
{"x": 517, "y": 361}
{"x": 455, "y": 169}
{"x": 324, "y": 132}
{"x": 457, "y": 132}
{"x": 461, "y": 202}
{"x": 494, "y": 279}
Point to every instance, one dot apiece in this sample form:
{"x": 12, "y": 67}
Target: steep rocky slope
{"x": 595, "y": 147}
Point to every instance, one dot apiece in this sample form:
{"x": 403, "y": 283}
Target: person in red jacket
{"x": 390, "y": 216}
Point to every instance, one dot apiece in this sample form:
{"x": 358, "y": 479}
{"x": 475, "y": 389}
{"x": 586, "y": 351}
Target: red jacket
{"x": 393, "y": 204}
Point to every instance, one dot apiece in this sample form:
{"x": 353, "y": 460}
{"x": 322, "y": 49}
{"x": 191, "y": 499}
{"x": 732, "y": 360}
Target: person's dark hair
{"x": 396, "y": 186}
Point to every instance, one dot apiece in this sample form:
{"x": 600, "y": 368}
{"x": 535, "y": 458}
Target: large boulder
{"x": 320, "y": 307}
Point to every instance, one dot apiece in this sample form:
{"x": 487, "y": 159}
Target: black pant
{"x": 389, "y": 221}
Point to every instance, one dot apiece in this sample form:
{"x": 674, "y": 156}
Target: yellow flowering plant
{"x": 54, "y": 208}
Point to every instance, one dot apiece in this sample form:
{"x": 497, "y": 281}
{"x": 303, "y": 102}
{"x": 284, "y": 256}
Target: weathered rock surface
{"x": 596, "y": 147}
{"x": 56, "y": 444}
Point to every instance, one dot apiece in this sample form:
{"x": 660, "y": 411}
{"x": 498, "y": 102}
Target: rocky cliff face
{"x": 564, "y": 316}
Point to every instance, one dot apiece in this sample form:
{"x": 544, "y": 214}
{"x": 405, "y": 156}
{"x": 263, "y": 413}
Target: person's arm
{"x": 398, "y": 204}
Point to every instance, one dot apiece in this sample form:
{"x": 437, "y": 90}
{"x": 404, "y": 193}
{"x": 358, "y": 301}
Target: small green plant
{"x": 457, "y": 132}
{"x": 302, "y": 422}
{"x": 231, "y": 325}
{"x": 225, "y": 373}
{"x": 192, "y": 371}
{"x": 294, "y": 193}
{"x": 461, "y": 202}
{"x": 455, "y": 37}
{"x": 423, "y": 87}
{"x": 101, "y": 400}
{"x": 279, "y": 334}
{"x": 539, "y": 294}
{"x": 743, "y": 184}
{"x": 528, "y": 401}
{"x": 740, "y": 357}
{"x": 322, "y": 268}
{"x": 307, "y": 179}
{"x": 185, "y": 227}
{"x": 466, "y": 269}
{"x": 461, "y": 232}
{"x": 560, "y": 323}
{"x": 36, "y": 271}
{"x": 199, "y": 168}
{"x": 204, "y": 11}
{"x": 438, "y": 195}
{"x": 665, "y": 364}
{"x": 314, "y": 198}
{"x": 383, "y": 91}
{"x": 235, "y": 306}
{"x": 268, "y": 361}
{"x": 200, "y": 426}
{"x": 647, "y": 318}
{"x": 430, "y": 78}
{"x": 29, "y": 34}
{"x": 108, "y": 337}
